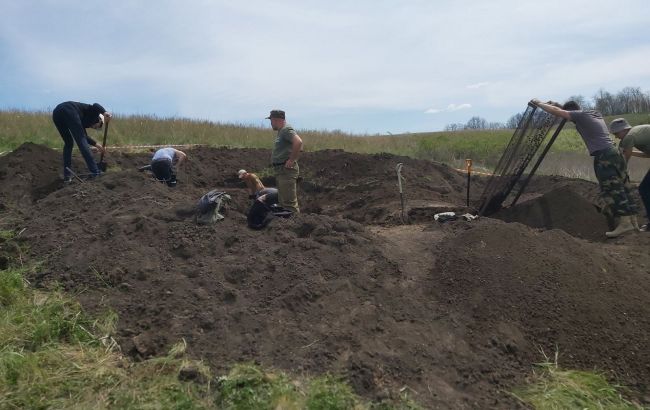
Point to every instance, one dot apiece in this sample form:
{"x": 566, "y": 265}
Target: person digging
{"x": 163, "y": 162}
{"x": 71, "y": 119}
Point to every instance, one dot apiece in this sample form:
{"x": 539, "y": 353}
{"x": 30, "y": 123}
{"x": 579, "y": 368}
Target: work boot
{"x": 624, "y": 225}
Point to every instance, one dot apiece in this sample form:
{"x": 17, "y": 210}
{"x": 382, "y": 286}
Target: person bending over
{"x": 163, "y": 162}
{"x": 71, "y": 120}
{"x": 253, "y": 184}
{"x": 635, "y": 142}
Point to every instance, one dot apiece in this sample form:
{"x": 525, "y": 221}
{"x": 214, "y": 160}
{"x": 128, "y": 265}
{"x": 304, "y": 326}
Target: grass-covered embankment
{"x": 52, "y": 355}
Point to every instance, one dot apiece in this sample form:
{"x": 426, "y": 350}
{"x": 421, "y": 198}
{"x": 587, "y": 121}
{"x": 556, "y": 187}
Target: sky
{"x": 364, "y": 66}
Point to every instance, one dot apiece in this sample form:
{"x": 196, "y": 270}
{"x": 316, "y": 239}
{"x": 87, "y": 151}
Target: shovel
{"x": 102, "y": 165}
{"x": 400, "y": 178}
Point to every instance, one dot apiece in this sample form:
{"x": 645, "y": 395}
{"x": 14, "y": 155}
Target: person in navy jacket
{"x": 71, "y": 119}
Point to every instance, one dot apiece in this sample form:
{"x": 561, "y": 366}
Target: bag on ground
{"x": 209, "y": 207}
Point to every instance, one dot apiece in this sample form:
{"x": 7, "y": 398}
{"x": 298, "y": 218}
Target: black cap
{"x": 276, "y": 114}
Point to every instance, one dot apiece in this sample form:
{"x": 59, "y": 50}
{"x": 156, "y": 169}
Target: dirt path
{"x": 410, "y": 247}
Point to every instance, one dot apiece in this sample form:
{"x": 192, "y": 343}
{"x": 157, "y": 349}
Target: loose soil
{"x": 456, "y": 313}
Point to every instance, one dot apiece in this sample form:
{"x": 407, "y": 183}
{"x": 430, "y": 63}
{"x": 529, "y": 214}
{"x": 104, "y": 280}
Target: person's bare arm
{"x": 551, "y": 109}
{"x": 639, "y": 154}
{"x": 181, "y": 156}
{"x": 627, "y": 153}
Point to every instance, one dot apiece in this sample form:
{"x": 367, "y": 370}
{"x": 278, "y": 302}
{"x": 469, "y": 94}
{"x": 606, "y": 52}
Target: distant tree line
{"x": 475, "y": 123}
{"x": 630, "y": 100}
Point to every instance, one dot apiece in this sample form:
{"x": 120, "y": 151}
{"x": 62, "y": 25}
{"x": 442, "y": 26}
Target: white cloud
{"x": 477, "y": 85}
{"x": 450, "y": 108}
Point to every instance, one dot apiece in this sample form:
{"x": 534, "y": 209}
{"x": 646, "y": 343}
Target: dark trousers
{"x": 644, "y": 191}
{"x": 163, "y": 171}
{"x": 68, "y": 123}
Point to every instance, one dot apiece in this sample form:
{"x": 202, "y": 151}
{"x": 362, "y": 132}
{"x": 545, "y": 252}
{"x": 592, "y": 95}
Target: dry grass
{"x": 568, "y": 157}
{"x": 554, "y": 388}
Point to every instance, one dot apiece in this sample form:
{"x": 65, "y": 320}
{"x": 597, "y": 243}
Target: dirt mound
{"x": 28, "y": 174}
{"x": 522, "y": 290}
{"x": 456, "y": 312}
{"x": 561, "y": 208}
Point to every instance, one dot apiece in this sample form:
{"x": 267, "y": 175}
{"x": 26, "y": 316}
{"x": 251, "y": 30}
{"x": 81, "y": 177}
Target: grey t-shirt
{"x": 283, "y": 144}
{"x": 637, "y": 137}
{"x": 164, "y": 153}
{"x": 593, "y": 130}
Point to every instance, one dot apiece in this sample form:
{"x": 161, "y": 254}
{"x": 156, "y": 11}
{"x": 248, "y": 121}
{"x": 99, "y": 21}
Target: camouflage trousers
{"x": 615, "y": 189}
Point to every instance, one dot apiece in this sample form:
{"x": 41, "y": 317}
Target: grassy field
{"x": 568, "y": 156}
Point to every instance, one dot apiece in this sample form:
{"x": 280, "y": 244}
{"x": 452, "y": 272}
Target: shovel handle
{"x": 101, "y": 158}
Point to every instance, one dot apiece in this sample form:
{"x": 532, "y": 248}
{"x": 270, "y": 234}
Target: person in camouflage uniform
{"x": 635, "y": 142}
{"x": 609, "y": 164}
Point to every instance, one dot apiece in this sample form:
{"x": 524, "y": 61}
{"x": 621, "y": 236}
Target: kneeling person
{"x": 253, "y": 183}
{"x": 163, "y": 162}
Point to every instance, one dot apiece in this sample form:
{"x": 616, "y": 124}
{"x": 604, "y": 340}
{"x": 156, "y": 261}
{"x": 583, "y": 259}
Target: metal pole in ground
{"x": 398, "y": 168}
{"x": 468, "y": 165}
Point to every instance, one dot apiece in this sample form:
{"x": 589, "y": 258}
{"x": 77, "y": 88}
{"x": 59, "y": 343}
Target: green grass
{"x": 247, "y": 386}
{"x": 554, "y": 388}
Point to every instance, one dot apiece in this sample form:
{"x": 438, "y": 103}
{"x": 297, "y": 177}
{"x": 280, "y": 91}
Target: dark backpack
{"x": 208, "y": 207}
